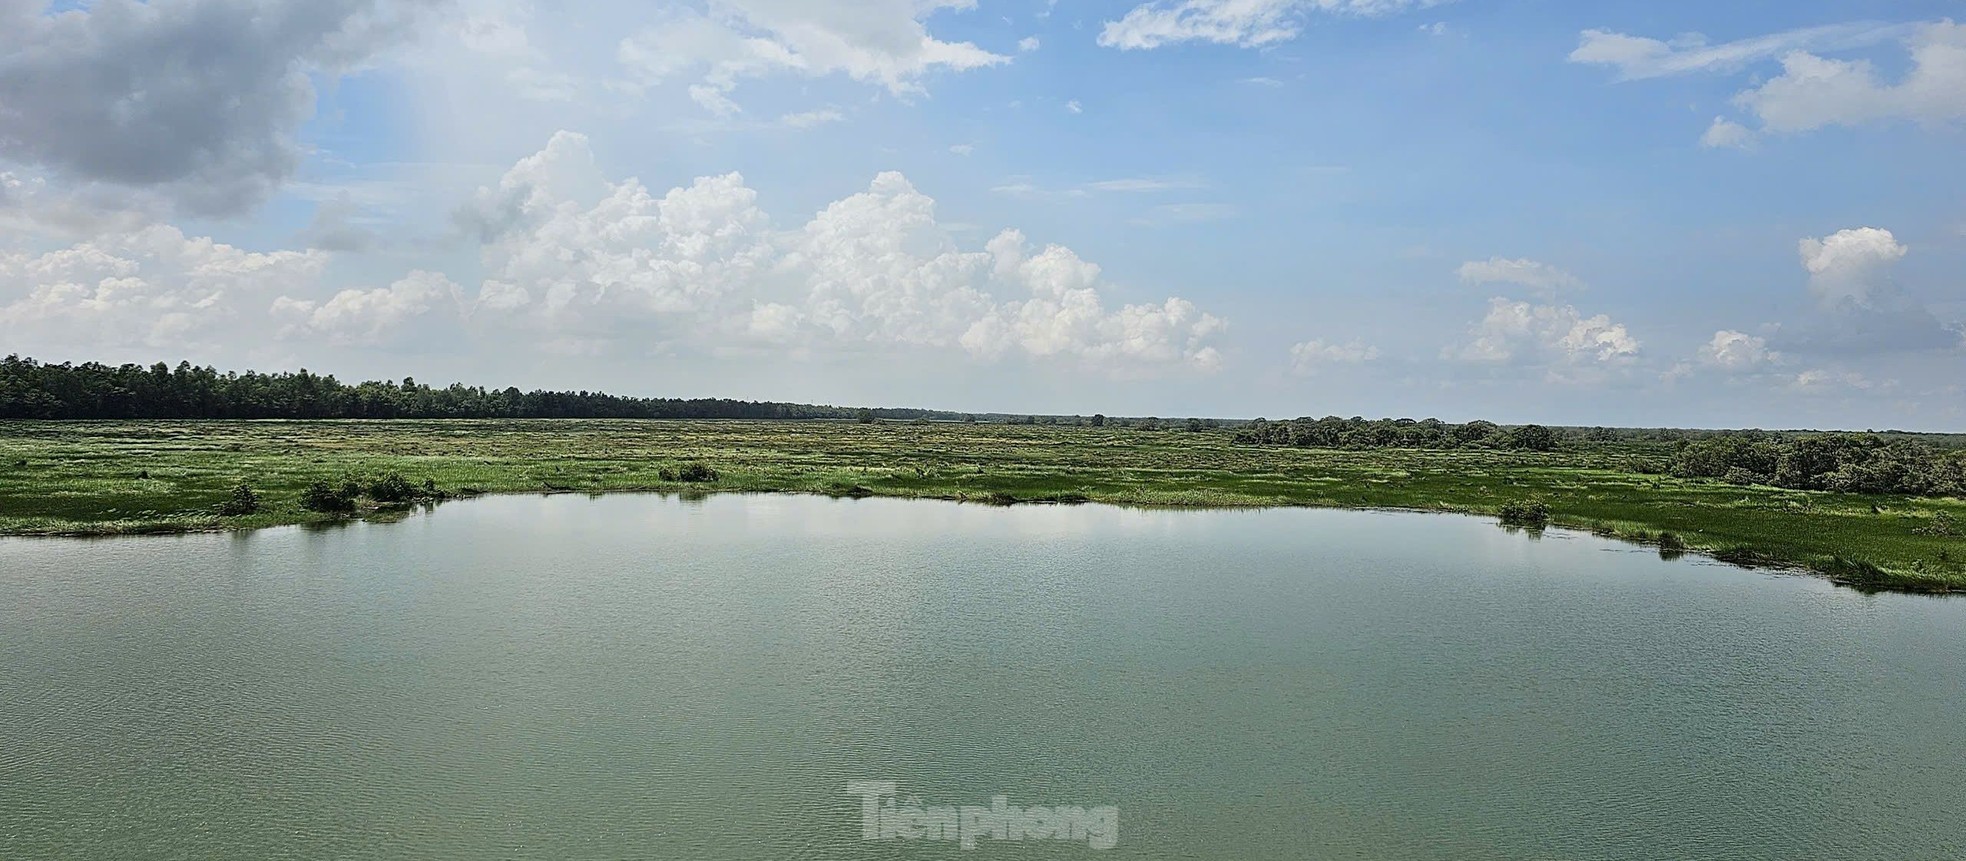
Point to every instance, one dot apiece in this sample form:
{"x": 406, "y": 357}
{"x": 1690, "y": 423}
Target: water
{"x": 647, "y": 677}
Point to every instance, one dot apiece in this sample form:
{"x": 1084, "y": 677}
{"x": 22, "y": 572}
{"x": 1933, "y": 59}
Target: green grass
{"x": 94, "y": 478}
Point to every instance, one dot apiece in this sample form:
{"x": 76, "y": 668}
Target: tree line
{"x": 1846, "y": 462}
{"x": 1362, "y": 433}
{"x": 34, "y": 390}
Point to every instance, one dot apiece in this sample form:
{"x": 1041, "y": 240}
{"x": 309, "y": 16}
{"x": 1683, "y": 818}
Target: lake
{"x": 653, "y": 677}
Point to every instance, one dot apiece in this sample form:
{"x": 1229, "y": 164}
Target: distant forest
{"x": 32, "y": 390}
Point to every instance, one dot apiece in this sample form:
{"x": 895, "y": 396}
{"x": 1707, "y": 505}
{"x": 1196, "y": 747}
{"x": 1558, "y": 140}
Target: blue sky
{"x": 1670, "y": 213}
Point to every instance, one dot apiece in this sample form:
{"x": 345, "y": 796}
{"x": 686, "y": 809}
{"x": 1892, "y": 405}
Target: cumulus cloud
{"x": 1309, "y": 357}
{"x": 197, "y": 101}
{"x": 1851, "y": 266}
{"x": 1737, "y": 351}
{"x": 1524, "y": 272}
{"x": 366, "y": 316}
{"x": 872, "y": 269}
{"x": 881, "y": 42}
{"x": 1726, "y": 134}
{"x": 1861, "y": 306}
{"x": 1244, "y": 23}
{"x": 152, "y": 288}
{"x": 1814, "y": 91}
{"x": 1524, "y": 332}
{"x": 1638, "y": 57}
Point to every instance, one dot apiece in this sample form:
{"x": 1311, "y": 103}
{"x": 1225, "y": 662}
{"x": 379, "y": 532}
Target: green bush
{"x": 319, "y": 496}
{"x": 696, "y": 473}
{"x": 243, "y": 501}
{"x": 393, "y": 487}
{"x": 1525, "y": 513}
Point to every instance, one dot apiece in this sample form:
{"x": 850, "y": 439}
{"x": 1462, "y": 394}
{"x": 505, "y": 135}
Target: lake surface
{"x": 651, "y": 677}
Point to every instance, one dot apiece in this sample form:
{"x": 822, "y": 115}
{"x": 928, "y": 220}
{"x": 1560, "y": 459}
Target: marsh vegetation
{"x": 148, "y": 476}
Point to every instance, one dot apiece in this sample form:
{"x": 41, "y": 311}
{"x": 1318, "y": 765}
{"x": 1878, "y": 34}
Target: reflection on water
{"x": 644, "y": 676}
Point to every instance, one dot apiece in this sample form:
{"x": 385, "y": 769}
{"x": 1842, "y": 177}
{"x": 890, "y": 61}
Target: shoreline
{"x": 388, "y": 514}
{"x": 79, "y": 480}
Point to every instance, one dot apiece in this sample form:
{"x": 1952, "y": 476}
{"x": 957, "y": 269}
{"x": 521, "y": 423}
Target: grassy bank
{"x": 94, "y": 478}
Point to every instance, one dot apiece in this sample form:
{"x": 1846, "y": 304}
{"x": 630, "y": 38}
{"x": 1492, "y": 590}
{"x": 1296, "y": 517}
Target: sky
{"x": 1671, "y": 213}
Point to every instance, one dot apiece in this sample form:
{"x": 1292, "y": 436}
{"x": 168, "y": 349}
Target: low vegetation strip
{"x": 114, "y": 477}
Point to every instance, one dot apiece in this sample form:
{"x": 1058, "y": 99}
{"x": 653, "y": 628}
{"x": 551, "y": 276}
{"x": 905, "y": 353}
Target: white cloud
{"x": 1308, "y": 357}
{"x": 153, "y": 288}
{"x": 1850, "y": 266}
{"x": 1261, "y": 81}
{"x": 1828, "y": 380}
{"x": 1245, "y": 23}
{"x": 872, "y": 270}
{"x": 1861, "y": 307}
{"x": 1437, "y": 28}
{"x": 1517, "y": 331}
{"x": 1027, "y": 44}
{"x": 1074, "y": 106}
{"x": 1813, "y": 91}
{"x": 1638, "y": 57}
{"x": 366, "y": 316}
{"x": 881, "y": 42}
{"x": 1737, "y": 351}
{"x": 1527, "y": 273}
{"x": 1023, "y": 187}
{"x": 962, "y": 149}
{"x": 1145, "y": 184}
{"x": 499, "y": 31}
{"x": 1725, "y": 133}
{"x": 811, "y": 119}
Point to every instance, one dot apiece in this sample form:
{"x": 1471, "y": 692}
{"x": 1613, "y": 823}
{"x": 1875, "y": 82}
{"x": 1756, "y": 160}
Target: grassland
{"x": 101, "y": 478}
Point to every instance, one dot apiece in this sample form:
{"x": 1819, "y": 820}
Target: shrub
{"x": 243, "y": 501}
{"x": 319, "y": 496}
{"x": 697, "y": 472}
{"x": 392, "y": 488}
{"x": 1525, "y": 513}
{"x": 1672, "y": 542}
